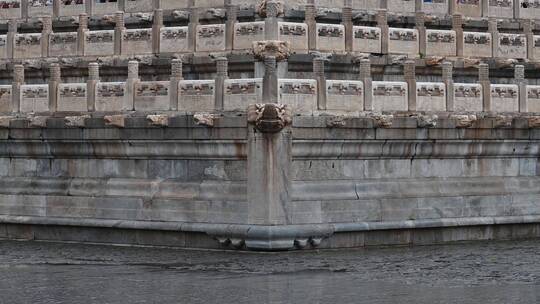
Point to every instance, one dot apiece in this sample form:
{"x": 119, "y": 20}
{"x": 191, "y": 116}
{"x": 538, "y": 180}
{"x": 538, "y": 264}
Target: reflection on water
{"x": 501, "y": 272}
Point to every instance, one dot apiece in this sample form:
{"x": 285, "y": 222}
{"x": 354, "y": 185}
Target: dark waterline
{"x": 494, "y": 272}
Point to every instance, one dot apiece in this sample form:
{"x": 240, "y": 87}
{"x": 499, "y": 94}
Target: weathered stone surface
{"x": 295, "y": 34}
{"x": 299, "y": 94}
{"x": 152, "y": 96}
{"x": 403, "y": 41}
{"x": 196, "y": 95}
{"x": 246, "y": 33}
{"x": 115, "y": 120}
{"x": 211, "y": 38}
{"x": 174, "y": 39}
{"x": 158, "y": 120}
{"x": 390, "y": 96}
{"x": 367, "y": 39}
{"x": 278, "y": 49}
{"x": 476, "y": 44}
{"x": 34, "y": 98}
{"x": 99, "y": 43}
{"x": 344, "y": 95}
{"x": 240, "y": 93}
{"x": 76, "y": 121}
{"x": 430, "y": 96}
{"x": 72, "y": 97}
{"x": 468, "y": 97}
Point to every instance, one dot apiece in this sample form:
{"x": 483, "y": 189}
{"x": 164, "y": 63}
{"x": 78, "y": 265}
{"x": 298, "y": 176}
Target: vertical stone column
{"x": 420, "y": 20}
{"x": 56, "y": 7}
{"x": 492, "y": 29}
{"x": 457, "y": 26}
{"x": 24, "y": 9}
{"x": 271, "y": 29}
{"x": 10, "y": 37}
{"x": 81, "y": 33}
{"x": 93, "y": 79}
{"x": 46, "y": 31}
{"x": 232, "y": 15}
{"x": 384, "y": 4}
{"x": 270, "y": 80}
{"x": 318, "y": 74}
{"x": 156, "y": 29}
{"x": 447, "y": 77}
{"x": 409, "y": 71}
{"x": 119, "y": 29}
{"x": 382, "y": 23}
{"x": 348, "y": 24}
{"x": 55, "y": 77}
{"x": 311, "y": 14}
{"x": 528, "y": 26}
{"x": 483, "y": 79}
{"x": 18, "y": 80}
{"x": 133, "y": 78}
{"x": 192, "y": 28}
{"x": 365, "y": 76}
{"x": 222, "y": 65}
{"x": 519, "y": 79}
{"x": 176, "y": 76}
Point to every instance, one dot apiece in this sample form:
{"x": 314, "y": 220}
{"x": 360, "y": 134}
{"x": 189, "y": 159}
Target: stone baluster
{"x": 348, "y": 24}
{"x": 447, "y": 77}
{"x": 119, "y": 29}
{"x": 18, "y": 81}
{"x": 55, "y": 78}
{"x": 81, "y": 33}
{"x": 483, "y": 79}
{"x": 10, "y": 38}
{"x": 271, "y": 22}
{"x": 93, "y": 79}
{"x": 492, "y": 29}
{"x": 270, "y": 80}
{"x": 45, "y": 33}
{"x": 528, "y": 26}
{"x": 176, "y": 77}
{"x": 122, "y": 5}
{"x": 420, "y": 20}
{"x": 132, "y": 80}
{"x": 318, "y": 74}
{"x": 56, "y": 7}
{"x": 457, "y": 26}
{"x": 519, "y": 79}
{"x": 157, "y": 24}
{"x": 232, "y": 16}
{"x": 222, "y": 66}
{"x": 382, "y": 23}
{"x": 311, "y": 14}
{"x": 24, "y": 9}
{"x": 192, "y": 28}
{"x": 365, "y": 76}
{"x": 409, "y": 71}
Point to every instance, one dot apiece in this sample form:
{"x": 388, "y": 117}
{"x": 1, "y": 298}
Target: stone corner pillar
{"x": 222, "y": 73}
{"x": 18, "y": 81}
{"x": 232, "y": 16}
{"x": 131, "y": 82}
{"x": 119, "y": 29}
{"x": 192, "y": 28}
{"x": 310, "y": 19}
{"x": 409, "y": 71}
{"x": 45, "y": 33}
{"x": 382, "y": 23}
{"x": 519, "y": 79}
{"x": 176, "y": 77}
{"x": 365, "y": 76}
{"x": 348, "y": 24}
{"x": 157, "y": 24}
{"x": 81, "y": 33}
{"x": 93, "y": 79}
{"x": 10, "y": 37}
{"x": 270, "y": 80}
{"x": 457, "y": 26}
{"x": 483, "y": 79}
{"x": 493, "y": 30}
{"x": 318, "y": 74}
{"x": 54, "y": 80}
{"x": 528, "y": 26}
{"x": 447, "y": 77}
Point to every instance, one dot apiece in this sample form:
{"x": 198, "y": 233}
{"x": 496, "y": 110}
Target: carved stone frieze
{"x": 279, "y": 49}
{"x": 158, "y": 120}
{"x": 464, "y": 121}
{"x": 269, "y": 118}
{"x": 383, "y": 121}
{"x": 204, "y": 119}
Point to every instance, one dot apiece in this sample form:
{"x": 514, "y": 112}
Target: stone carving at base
{"x": 279, "y": 49}
{"x": 269, "y": 118}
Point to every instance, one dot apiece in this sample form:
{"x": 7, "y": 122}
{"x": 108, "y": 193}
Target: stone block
{"x": 110, "y": 96}
{"x": 536, "y": 48}
{"x": 403, "y": 41}
{"x": 500, "y": 8}
{"x": 468, "y": 8}
{"x": 63, "y": 44}
{"x": 344, "y": 95}
{"x": 504, "y": 98}
{"x": 11, "y": 10}
{"x": 437, "y": 168}
{"x": 72, "y": 8}
{"x": 37, "y": 8}
{"x": 529, "y": 9}
{"x": 99, "y": 43}
{"x": 401, "y": 6}
{"x": 388, "y": 168}
{"x": 300, "y": 94}
{"x": 349, "y": 211}
{"x": 172, "y": 4}
{"x": 390, "y": 96}
{"x": 72, "y": 97}
{"x": 174, "y": 39}
{"x": 135, "y": 6}
{"x": 152, "y": 96}
{"x": 367, "y": 4}
{"x": 105, "y": 7}
{"x": 196, "y": 95}
{"x": 330, "y": 37}
{"x": 430, "y": 96}
{"x": 35, "y": 98}
{"x": 211, "y": 38}
{"x": 5, "y": 98}
{"x": 245, "y": 33}
{"x": 468, "y": 97}
{"x": 435, "y": 7}
{"x": 440, "y": 43}
{"x": 137, "y": 41}
{"x": 295, "y": 34}
{"x": 477, "y": 44}
{"x": 27, "y": 46}
{"x": 367, "y": 39}
{"x": 240, "y": 93}
{"x": 512, "y": 46}
{"x": 527, "y": 166}
{"x": 533, "y": 98}
{"x": 209, "y": 3}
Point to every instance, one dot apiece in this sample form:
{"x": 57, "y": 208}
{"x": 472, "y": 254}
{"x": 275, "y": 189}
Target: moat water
{"x": 489, "y": 272}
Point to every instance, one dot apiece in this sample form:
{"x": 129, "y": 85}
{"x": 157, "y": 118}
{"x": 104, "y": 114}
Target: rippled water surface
{"x": 496, "y": 272}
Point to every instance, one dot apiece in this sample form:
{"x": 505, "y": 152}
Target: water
{"x": 495, "y": 272}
